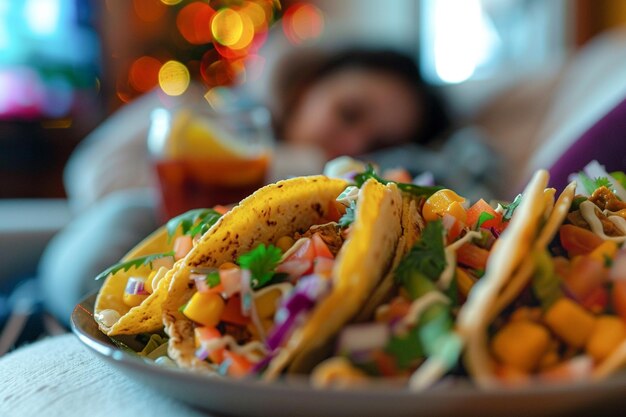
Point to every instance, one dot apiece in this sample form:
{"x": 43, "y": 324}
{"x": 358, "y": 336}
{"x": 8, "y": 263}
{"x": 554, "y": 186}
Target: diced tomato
{"x": 323, "y": 266}
{"x": 232, "y": 312}
{"x": 385, "y": 363}
{"x": 221, "y": 209}
{"x": 479, "y": 207}
{"x": 578, "y": 241}
{"x": 295, "y": 268}
{"x": 320, "y": 247}
{"x": 398, "y": 175}
{"x": 597, "y": 300}
{"x": 239, "y": 365}
{"x": 585, "y": 275}
{"x": 230, "y": 281}
{"x": 472, "y": 256}
{"x": 206, "y": 333}
{"x": 182, "y": 246}
{"x": 335, "y": 211}
{"x": 618, "y": 298}
{"x": 398, "y": 308}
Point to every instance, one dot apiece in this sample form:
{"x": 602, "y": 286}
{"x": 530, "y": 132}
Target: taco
{"x": 130, "y": 299}
{"x": 562, "y": 314}
{"x": 413, "y": 337}
{"x": 269, "y": 285}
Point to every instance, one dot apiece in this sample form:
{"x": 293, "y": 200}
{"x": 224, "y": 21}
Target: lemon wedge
{"x": 198, "y": 137}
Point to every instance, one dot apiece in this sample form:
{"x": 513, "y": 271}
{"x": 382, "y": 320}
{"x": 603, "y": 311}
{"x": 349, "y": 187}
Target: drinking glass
{"x": 203, "y": 158}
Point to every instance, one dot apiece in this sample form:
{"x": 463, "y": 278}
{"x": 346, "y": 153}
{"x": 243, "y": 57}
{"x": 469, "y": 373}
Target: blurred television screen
{"x": 49, "y": 51}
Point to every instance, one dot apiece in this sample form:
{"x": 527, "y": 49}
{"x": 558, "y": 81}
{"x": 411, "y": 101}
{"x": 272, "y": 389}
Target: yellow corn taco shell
{"x": 146, "y": 317}
{"x": 508, "y": 271}
{"x": 282, "y": 209}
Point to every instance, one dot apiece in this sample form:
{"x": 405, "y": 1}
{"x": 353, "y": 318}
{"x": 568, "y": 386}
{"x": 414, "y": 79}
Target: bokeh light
{"x": 171, "y": 2}
{"x": 227, "y": 26}
{"x": 144, "y": 73}
{"x": 174, "y": 78}
{"x": 194, "y": 23}
{"x": 303, "y": 22}
{"x": 256, "y": 13}
{"x": 149, "y": 10}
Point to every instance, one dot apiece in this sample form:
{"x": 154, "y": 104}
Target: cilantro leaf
{"x": 417, "y": 190}
{"x": 133, "y": 263}
{"x": 406, "y": 349}
{"x": 205, "y": 217}
{"x": 427, "y": 256}
{"x": 347, "y": 219}
{"x": 261, "y": 262}
{"x": 590, "y": 185}
{"x": 510, "y": 208}
{"x": 213, "y": 279}
{"x": 484, "y": 216}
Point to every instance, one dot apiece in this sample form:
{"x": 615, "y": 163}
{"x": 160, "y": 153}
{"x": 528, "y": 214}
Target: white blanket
{"x": 58, "y": 376}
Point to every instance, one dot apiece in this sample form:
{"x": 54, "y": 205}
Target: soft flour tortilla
{"x": 282, "y": 209}
{"x": 146, "y": 317}
{"x": 509, "y": 268}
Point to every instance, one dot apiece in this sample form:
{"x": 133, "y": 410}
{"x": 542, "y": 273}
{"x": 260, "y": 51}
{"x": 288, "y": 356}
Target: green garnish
{"x": 213, "y": 279}
{"x": 546, "y": 284}
{"x": 154, "y": 342}
{"x": 591, "y": 185}
{"x": 406, "y": 349}
{"x": 576, "y": 203}
{"x": 484, "y": 216}
{"x": 509, "y": 209}
{"x": 348, "y": 217}
{"x": 261, "y": 262}
{"x": 205, "y": 218}
{"x": 417, "y": 190}
{"x": 427, "y": 256}
{"x": 133, "y": 263}
{"x": 620, "y": 177}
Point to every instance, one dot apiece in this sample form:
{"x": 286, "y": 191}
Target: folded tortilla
{"x": 282, "y": 209}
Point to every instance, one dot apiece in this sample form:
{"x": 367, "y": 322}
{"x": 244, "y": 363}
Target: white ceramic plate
{"x": 297, "y": 398}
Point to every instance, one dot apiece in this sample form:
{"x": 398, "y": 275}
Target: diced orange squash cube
{"x": 521, "y": 344}
{"x": 267, "y": 303}
{"x": 606, "y": 250}
{"x": 570, "y": 322}
{"x": 205, "y": 308}
{"x": 608, "y": 333}
{"x": 464, "y": 281}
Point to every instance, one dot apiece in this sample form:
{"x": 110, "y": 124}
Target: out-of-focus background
{"x": 525, "y": 74}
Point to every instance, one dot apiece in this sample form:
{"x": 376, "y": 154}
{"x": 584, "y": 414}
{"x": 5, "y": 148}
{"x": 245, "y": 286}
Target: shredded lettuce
{"x": 348, "y": 218}
{"x": 509, "y": 209}
{"x": 193, "y": 222}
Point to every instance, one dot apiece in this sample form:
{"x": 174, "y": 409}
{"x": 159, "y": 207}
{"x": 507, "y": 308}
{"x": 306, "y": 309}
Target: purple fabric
{"x": 605, "y": 142}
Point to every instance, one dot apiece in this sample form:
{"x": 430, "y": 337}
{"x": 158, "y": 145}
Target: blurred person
{"x": 323, "y": 104}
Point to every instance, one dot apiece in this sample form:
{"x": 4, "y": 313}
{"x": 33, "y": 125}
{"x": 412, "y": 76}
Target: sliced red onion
{"x": 200, "y": 282}
{"x": 248, "y": 307}
{"x": 202, "y": 353}
{"x": 136, "y": 286}
{"x": 363, "y": 337}
{"x": 262, "y": 364}
{"x": 425, "y": 179}
{"x": 280, "y": 332}
{"x": 494, "y": 232}
{"x": 312, "y": 286}
{"x": 295, "y": 268}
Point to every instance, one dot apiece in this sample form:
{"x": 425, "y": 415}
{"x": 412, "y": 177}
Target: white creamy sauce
{"x": 588, "y": 211}
{"x": 249, "y": 350}
{"x": 419, "y": 306}
{"x": 450, "y": 252}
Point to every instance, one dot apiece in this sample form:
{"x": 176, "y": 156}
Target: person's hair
{"x": 303, "y": 69}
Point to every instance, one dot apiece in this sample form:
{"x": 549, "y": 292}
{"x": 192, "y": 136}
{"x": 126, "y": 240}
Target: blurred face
{"x": 354, "y": 111}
